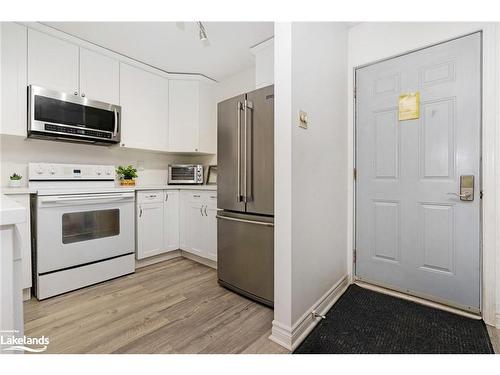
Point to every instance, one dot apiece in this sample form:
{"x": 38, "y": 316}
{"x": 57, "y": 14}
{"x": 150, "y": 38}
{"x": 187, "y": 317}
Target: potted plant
{"x": 15, "y": 180}
{"x": 126, "y": 175}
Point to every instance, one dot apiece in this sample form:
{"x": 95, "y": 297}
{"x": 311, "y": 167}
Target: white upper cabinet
{"x": 13, "y": 79}
{"x": 264, "y": 63}
{"x": 184, "y": 115}
{"x": 99, "y": 77}
{"x": 144, "y": 101}
{"x": 192, "y": 122}
{"x": 52, "y": 63}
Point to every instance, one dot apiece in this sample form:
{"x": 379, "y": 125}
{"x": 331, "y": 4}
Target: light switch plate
{"x": 303, "y": 120}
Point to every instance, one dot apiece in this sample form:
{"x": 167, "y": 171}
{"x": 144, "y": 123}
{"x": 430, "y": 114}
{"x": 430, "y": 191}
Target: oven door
{"x": 65, "y": 115}
{"x": 73, "y": 230}
{"x": 182, "y": 174}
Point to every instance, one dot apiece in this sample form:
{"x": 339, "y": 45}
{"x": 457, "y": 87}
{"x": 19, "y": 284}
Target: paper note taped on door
{"x": 409, "y": 106}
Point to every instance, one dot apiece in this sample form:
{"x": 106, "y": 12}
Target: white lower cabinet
{"x": 168, "y": 220}
{"x": 171, "y": 220}
{"x": 198, "y": 223}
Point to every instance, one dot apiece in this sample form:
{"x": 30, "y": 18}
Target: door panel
{"x": 411, "y": 234}
{"x": 246, "y": 255}
{"x": 171, "y": 220}
{"x": 229, "y": 115}
{"x": 260, "y": 151}
{"x": 99, "y": 77}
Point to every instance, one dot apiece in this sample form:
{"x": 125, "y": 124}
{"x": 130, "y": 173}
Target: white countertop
{"x": 176, "y": 187}
{"x": 11, "y": 212}
{"x": 27, "y": 190}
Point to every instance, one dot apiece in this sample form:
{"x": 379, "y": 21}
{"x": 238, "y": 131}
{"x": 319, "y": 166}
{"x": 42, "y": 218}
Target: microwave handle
{"x": 115, "y": 131}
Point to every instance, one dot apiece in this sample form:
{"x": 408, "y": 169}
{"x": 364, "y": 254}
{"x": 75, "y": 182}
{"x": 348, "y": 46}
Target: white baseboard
{"x": 196, "y": 258}
{"x": 157, "y": 258}
{"x": 292, "y": 337}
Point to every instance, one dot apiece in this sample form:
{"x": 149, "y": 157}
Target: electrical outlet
{"x": 303, "y": 120}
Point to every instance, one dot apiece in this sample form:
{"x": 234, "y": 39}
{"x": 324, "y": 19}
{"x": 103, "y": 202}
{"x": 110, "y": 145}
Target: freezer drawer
{"x": 245, "y": 255}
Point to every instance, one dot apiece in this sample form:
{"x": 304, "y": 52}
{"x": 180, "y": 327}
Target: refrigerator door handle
{"x": 248, "y": 196}
{"x": 245, "y": 221}
{"x": 238, "y": 197}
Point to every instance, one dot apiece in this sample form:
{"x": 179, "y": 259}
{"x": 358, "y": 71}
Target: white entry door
{"x": 413, "y": 233}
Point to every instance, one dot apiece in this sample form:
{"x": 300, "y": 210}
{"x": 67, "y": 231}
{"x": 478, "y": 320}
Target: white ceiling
{"x": 175, "y": 46}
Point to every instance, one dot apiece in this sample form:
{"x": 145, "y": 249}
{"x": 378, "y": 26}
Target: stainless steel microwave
{"x": 185, "y": 174}
{"x": 60, "y": 116}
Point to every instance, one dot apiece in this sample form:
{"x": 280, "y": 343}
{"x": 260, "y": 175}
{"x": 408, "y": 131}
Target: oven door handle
{"x": 86, "y": 197}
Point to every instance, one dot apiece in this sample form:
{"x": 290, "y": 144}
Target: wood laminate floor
{"x": 171, "y": 307}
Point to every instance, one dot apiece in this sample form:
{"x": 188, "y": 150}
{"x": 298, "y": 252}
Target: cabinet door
{"x": 210, "y": 226}
{"x": 192, "y": 222}
{"x": 208, "y": 119}
{"x": 13, "y": 79}
{"x": 24, "y": 231}
{"x": 183, "y": 116}
{"x": 52, "y": 63}
{"x": 99, "y": 77}
{"x": 149, "y": 229}
{"x": 144, "y": 102}
{"x": 171, "y": 220}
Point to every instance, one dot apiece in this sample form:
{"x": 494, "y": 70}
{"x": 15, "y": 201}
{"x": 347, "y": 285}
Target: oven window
{"x": 183, "y": 173}
{"x": 90, "y": 225}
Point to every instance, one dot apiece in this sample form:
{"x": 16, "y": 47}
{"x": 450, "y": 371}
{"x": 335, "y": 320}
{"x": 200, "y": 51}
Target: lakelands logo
{"x": 10, "y": 341}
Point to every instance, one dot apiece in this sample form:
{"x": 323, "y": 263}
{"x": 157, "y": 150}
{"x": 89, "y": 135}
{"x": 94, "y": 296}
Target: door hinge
{"x": 354, "y": 174}
{"x": 481, "y": 194}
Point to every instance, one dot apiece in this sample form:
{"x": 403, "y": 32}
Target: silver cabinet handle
{"x": 245, "y": 221}
{"x": 206, "y": 210}
{"x": 83, "y": 95}
{"x": 238, "y": 197}
{"x": 76, "y": 92}
{"x": 140, "y": 212}
{"x": 166, "y": 197}
{"x": 465, "y": 195}
{"x": 196, "y": 196}
{"x": 201, "y": 210}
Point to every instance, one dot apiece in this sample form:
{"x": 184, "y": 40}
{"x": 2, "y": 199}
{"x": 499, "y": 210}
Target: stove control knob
{"x": 52, "y": 170}
{"x": 98, "y": 171}
{"x": 108, "y": 172}
{"x": 39, "y": 169}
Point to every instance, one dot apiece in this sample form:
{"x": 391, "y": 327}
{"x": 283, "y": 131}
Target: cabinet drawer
{"x": 150, "y": 196}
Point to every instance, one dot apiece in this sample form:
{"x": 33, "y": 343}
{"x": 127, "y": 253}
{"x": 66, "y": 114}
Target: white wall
{"x": 311, "y": 170}
{"x": 319, "y": 161}
{"x": 17, "y": 152}
{"x": 370, "y": 42}
{"x": 237, "y": 84}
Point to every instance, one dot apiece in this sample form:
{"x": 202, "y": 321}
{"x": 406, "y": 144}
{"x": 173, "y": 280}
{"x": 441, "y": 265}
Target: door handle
{"x": 464, "y": 195}
{"x": 206, "y": 210}
{"x": 238, "y": 197}
{"x": 115, "y": 130}
{"x": 466, "y": 188}
{"x": 245, "y": 221}
{"x": 201, "y": 210}
{"x": 245, "y": 164}
{"x": 166, "y": 197}
{"x": 140, "y": 211}
{"x": 248, "y": 167}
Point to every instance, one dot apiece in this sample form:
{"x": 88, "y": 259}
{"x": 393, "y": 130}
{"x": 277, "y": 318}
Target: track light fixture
{"x": 203, "y": 32}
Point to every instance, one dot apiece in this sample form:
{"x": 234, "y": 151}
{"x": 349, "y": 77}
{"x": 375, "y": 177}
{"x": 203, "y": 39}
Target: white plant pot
{"x": 15, "y": 183}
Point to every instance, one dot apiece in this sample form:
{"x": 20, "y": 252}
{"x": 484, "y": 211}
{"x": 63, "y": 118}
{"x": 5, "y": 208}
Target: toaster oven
{"x": 185, "y": 174}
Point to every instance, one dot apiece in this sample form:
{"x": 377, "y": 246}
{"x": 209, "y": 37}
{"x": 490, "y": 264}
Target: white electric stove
{"x": 83, "y": 227}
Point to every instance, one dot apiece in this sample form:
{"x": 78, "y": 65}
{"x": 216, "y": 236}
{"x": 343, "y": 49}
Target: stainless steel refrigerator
{"x": 245, "y": 194}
